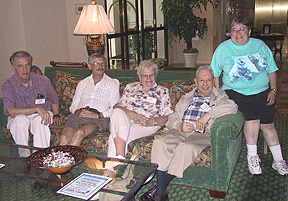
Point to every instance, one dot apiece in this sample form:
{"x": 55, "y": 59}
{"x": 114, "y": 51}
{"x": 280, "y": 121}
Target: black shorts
{"x": 254, "y": 107}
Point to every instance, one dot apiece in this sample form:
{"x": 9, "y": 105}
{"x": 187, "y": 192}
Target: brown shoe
{"x": 161, "y": 197}
{"x": 149, "y": 195}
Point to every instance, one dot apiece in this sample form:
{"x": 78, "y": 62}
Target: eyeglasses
{"x": 99, "y": 64}
{"x": 241, "y": 30}
{"x": 148, "y": 76}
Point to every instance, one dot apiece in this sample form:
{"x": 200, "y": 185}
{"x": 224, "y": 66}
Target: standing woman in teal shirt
{"x": 249, "y": 78}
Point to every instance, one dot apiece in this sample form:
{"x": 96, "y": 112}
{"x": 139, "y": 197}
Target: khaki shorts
{"x": 76, "y": 122}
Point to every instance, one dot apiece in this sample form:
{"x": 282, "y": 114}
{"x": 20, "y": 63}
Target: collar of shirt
{"x": 92, "y": 80}
{"x": 152, "y": 89}
{"x": 196, "y": 94}
{"x": 30, "y": 83}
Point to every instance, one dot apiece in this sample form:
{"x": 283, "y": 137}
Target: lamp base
{"x": 96, "y": 44}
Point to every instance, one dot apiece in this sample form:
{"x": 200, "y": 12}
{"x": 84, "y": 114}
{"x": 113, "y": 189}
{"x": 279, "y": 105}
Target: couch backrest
{"x": 65, "y": 84}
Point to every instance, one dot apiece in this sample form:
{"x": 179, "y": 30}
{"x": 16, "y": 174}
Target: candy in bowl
{"x": 57, "y": 159}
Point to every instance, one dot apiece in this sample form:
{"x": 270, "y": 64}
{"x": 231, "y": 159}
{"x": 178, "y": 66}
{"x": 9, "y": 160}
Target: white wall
{"x": 12, "y": 34}
{"x": 37, "y": 26}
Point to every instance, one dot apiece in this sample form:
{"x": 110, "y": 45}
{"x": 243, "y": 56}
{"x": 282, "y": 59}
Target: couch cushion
{"x": 177, "y": 89}
{"x": 65, "y": 86}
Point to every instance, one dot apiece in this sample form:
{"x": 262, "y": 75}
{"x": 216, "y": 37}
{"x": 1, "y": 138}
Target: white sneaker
{"x": 254, "y": 164}
{"x": 281, "y": 167}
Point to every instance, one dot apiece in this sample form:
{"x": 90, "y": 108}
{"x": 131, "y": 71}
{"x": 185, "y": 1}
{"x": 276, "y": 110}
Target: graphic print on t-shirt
{"x": 246, "y": 67}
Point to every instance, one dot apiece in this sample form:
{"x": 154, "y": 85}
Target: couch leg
{"x": 217, "y": 194}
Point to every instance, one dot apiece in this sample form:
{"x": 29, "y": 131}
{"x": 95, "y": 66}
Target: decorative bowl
{"x": 37, "y": 158}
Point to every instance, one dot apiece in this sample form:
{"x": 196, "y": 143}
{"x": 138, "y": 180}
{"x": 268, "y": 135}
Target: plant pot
{"x": 190, "y": 59}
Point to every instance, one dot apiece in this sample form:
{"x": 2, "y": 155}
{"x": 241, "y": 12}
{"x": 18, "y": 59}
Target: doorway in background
{"x": 140, "y": 32}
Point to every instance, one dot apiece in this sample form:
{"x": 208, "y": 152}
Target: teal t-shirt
{"x": 245, "y": 68}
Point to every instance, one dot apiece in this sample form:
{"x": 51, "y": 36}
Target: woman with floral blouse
{"x": 141, "y": 111}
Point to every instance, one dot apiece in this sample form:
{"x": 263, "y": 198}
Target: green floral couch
{"x": 65, "y": 81}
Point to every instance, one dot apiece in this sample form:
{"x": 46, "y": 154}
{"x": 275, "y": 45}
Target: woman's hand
{"x": 139, "y": 119}
{"x": 271, "y": 98}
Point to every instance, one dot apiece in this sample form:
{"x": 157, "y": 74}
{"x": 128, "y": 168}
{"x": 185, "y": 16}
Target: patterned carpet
{"x": 244, "y": 187}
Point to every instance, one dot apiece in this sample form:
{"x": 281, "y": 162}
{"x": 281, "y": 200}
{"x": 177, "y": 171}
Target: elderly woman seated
{"x": 141, "y": 111}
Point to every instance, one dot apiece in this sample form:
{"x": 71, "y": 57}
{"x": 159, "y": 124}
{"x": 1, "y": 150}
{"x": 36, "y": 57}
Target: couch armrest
{"x": 226, "y": 139}
{"x": 3, "y": 119}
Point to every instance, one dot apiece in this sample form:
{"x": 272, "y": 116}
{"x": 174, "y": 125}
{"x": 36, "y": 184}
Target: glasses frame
{"x": 240, "y": 30}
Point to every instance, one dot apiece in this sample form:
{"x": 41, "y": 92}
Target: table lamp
{"x": 94, "y": 23}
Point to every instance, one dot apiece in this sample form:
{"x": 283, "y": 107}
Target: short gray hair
{"x": 95, "y": 56}
{"x": 242, "y": 20}
{"x": 207, "y": 67}
{"x": 147, "y": 64}
{"x": 20, "y": 54}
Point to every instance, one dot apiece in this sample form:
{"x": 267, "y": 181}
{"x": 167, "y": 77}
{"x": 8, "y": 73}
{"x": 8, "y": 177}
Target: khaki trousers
{"x": 126, "y": 129}
{"x": 175, "y": 151}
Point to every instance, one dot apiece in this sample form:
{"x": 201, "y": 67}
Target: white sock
{"x": 276, "y": 152}
{"x": 119, "y": 157}
{"x": 251, "y": 149}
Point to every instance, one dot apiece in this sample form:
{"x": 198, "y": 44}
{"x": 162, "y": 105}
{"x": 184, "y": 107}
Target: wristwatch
{"x": 274, "y": 89}
{"x": 56, "y": 115}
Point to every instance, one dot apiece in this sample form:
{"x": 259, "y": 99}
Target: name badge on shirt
{"x": 151, "y": 100}
{"x": 40, "y": 99}
{"x": 205, "y": 107}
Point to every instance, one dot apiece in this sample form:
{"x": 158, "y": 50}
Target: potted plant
{"x": 182, "y": 22}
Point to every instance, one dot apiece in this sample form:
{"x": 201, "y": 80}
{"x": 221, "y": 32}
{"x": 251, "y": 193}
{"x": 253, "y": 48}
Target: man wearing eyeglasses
{"x": 92, "y": 103}
{"x": 249, "y": 78}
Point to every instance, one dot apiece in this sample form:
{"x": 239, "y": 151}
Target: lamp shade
{"x": 93, "y": 20}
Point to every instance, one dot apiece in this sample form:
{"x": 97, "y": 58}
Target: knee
{"x": 64, "y": 140}
{"x": 116, "y": 113}
{"x": 265, "y": 127}
{"x": 37, "y": 119}
{"x": 79, "y": 134}
{"x": 158, "y": 142}
{"x": 21, "y": 120}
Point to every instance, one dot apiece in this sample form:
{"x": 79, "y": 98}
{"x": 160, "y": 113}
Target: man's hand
{"x": 46, "y": 118}
{"x": 57, "y": 120}
{"x": 88, "y": 114}
{"x": 186, "y": 127}
{"x": 201, "y": 122}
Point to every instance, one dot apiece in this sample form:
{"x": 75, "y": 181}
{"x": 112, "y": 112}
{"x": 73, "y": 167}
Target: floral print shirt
{"x": 153, "y": 104}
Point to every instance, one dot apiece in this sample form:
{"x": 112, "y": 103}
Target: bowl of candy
{"x": 57, "y": 159}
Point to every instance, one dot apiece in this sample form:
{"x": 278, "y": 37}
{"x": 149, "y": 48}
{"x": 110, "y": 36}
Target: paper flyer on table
{"x": 84, "y": 186}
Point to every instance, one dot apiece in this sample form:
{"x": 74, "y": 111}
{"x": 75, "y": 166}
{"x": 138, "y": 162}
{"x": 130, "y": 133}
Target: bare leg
{"x": 120, "y": 145}
{"x": 251, "y": 131}
{"x": 66, "y": 136}
{"x": 83, "y": 132}
{"x": 270, "y": 134}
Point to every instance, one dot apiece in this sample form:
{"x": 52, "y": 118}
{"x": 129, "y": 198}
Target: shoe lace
{"x": 255, "y": 161}
{"x": 282, "y": 165}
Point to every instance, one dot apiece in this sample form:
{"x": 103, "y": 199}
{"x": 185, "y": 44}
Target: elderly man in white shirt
{"x": 92, "y": 103}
